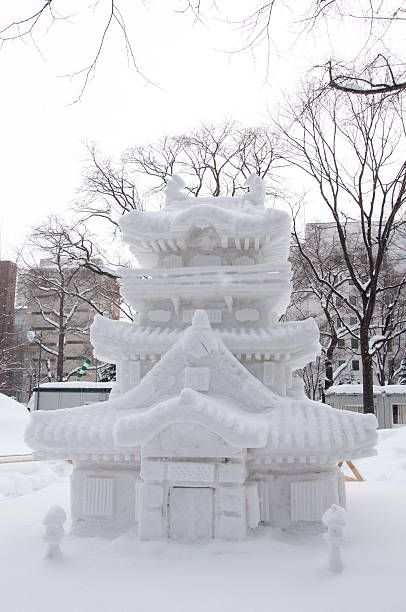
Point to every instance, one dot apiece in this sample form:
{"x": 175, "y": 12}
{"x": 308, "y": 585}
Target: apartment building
{"x": 62, "y": 301}
{"x": 8, "y": 275}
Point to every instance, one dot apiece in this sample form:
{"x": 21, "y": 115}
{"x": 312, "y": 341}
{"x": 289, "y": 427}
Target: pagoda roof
{"x": 226, "y": 398}
{"x": 238, "y": 218}
{"x": 117, "y": 340}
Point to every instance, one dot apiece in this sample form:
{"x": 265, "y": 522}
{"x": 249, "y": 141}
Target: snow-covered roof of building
{"x": 358, "y": 389}
{"x": 242, "y": 217}
{"x": 297, "y": 341}
{"x": 224, "y": 396}
{"x": 76, "y": 385}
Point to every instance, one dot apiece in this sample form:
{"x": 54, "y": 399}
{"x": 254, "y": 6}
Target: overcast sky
{"x": 43, "y": 134}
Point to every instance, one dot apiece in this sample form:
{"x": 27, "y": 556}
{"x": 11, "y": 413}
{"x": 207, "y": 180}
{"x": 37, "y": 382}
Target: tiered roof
{"x": 228, "y": 400}
{"x": 297, "y": 342}
{"x": 239, "y": 221}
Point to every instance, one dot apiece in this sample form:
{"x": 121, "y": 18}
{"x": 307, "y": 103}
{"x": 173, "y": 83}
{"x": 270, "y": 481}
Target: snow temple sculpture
{"x": 207, "y": 432}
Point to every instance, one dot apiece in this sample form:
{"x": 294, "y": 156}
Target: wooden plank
{"x": 358, "y": 477}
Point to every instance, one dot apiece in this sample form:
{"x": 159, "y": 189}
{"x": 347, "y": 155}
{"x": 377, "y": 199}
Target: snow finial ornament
{"x": 256, "y": 194}
{"x": 200, "y": 319}
{"x": 54, "y": 531}
{"x": 335, "y": 520}
{"x": 173, "y": 191}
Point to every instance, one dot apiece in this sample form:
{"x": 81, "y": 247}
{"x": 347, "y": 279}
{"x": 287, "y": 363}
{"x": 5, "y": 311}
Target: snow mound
{"x": 14, "y": 418}
{"x": 390, "y": 463}
{"x": 18, "y": 479}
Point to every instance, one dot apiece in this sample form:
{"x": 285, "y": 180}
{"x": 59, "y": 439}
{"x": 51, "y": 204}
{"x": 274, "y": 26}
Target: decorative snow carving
{"x": 53, "y": 521}
{"x": 256, "y": 193}
{"x": 214, "y": 315}
{"x": 191, "y": 512}
{"x": 202, "y": 440}
{"x": 191, "y": 472}
{"x": 335, "y": 520}
{"x": 269, "y": 373}
{"x": 173, "y": 191}
{"x": 197, "y": 378}
{"x": 247, "y": 314}
{"x": 98, "y": 499}
{"x": 173, "y": 261}
{"x": 160, "y": 315}
{"x": 205, "y": 260}
{"x": 310, "y": 498}
{"x": 244, "y": 260}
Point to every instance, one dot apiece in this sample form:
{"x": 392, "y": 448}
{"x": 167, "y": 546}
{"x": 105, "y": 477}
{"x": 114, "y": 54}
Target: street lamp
{"x": 33, "y": 336}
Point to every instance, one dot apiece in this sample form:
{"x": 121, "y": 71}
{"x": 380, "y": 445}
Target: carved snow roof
{"x": 117, "y": 340}
{"x": 234, "y": 217}
{"x": 235, "y": 426}
{"x": 227, "y": 398}
{"x": 293, "y": 428}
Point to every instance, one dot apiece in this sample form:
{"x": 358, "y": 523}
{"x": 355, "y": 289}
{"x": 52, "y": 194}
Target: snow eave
{"x": 175, "y": 223}
{"x": 114, "y": 341}
{"x": 238, "y": 428}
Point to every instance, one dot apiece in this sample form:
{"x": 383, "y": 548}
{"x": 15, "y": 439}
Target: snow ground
{"x": 267, "y": 572}
{"x": 270, "y": 571}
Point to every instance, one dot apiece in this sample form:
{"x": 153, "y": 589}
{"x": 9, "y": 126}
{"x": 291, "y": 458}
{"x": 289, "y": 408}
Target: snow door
{"x": 191, "y": 513}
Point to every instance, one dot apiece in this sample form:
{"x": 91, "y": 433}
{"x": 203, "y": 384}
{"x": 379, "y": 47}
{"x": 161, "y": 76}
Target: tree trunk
{"x": 367, "y": 372}
{"x": 61, "y": 340}
{"x": 329, "y": 379}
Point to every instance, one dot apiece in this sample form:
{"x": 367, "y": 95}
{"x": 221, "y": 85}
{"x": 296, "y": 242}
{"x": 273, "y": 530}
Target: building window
{"x": 339, "y": 301}
{"x": 341, "y": 343}
{"x": 354, "y": 343}
{"x": 353, "y": 320}
{"x": 399, "y": 414}
{"x": 355, "y": 365}
{"x": 353, "y": 299}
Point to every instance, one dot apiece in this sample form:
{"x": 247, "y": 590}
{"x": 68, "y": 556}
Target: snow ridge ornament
{"x": 207, "y": 433}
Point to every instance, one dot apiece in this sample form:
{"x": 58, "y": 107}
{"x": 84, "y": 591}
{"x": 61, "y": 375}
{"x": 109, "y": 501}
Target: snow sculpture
{"x": 335, "y": 520}
{"x": 207, "y": 432}
{"x": 53, "y": 521}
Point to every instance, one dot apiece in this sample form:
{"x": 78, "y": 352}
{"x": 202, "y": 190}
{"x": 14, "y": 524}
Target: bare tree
{"x": 375, "y": 68}
{"x": 353, "y": 152}
{"x": 55, "y": 288}
{"x": 318, "y": 299}
{"x": 106, "y": 16}
{"x": 216, "y": 159}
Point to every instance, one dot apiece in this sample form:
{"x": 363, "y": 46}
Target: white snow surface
{"x": 390, "y": 463}
{"x": 77, "y": 385}
{"x": 23, "y": 478}
{"x": 270, "y": 570}
{"x": 357, "y": 389}
{"x": 14, "y": 418}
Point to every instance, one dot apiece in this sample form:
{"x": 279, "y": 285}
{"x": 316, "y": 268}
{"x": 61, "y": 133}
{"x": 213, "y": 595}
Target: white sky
{"x": 42, "y": 134}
